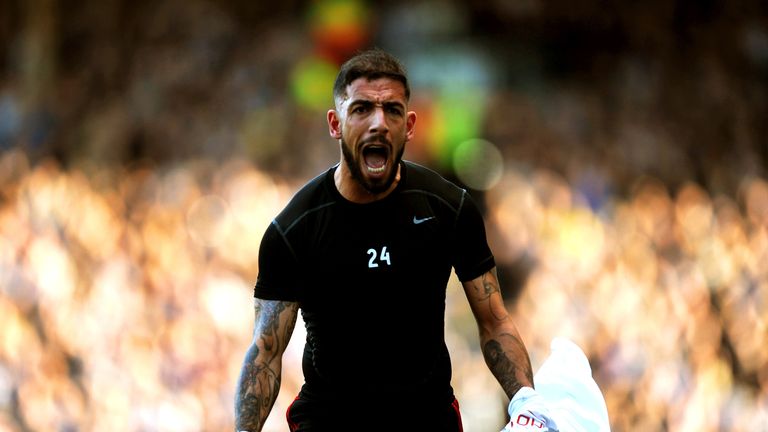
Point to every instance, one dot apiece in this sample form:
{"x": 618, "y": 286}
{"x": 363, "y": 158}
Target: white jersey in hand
{"x": 565, "y": 383}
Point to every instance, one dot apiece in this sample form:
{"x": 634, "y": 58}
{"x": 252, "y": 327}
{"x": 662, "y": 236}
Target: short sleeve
{"x": 277, "y": 279}
{"x": 472, "y": 256}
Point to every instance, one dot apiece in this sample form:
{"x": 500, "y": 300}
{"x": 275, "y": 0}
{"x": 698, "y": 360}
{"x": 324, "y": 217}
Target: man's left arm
{"x": 503, "y": 348}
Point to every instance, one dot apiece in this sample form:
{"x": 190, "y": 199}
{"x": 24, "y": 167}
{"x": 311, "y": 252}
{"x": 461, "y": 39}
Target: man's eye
{"x": 395, "y": 111}
{"x": 359, "y": 109}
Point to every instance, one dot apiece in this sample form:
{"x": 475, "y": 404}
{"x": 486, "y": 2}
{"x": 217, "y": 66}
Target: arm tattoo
{"x": 259, "y": 381}
{"x": 503, "y": 349}
{"x": 506, "y": 369}
{"x": 259, "y": 386}
{"x": 487, "y": 287}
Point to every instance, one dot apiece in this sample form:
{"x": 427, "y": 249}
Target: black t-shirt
{"x": 370, "y": 280}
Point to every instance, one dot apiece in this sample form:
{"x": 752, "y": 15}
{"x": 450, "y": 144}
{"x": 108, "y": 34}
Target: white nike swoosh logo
{"x": 417, "y": 221}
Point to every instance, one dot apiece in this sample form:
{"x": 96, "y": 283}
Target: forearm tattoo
{"x": 258, "y": 389}
{"x": 259, "y": 381}
{"x": 508, "y": 364}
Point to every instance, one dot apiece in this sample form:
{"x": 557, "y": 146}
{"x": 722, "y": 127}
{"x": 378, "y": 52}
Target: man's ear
{"x": 334, "y": 124}
{"x": 410, "y": 124}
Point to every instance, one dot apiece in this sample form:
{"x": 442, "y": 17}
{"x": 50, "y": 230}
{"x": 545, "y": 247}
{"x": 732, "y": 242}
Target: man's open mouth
{"x": 375, "y": 158}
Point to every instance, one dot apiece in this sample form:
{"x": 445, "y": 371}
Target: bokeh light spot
{"x": 338, "y": 27}
{"x": 478, "y": 164}
{"x": 312, "y": 83}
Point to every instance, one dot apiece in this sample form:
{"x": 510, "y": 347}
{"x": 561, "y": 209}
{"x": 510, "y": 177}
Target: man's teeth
{"x": 376, "y": 170}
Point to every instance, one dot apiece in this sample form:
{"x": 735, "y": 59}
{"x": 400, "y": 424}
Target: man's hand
{"x": 528, "y": 412}
{"x": 529, "y": 422}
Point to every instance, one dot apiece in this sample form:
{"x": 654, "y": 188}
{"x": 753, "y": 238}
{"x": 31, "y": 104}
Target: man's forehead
{"x": 379, "y": 89}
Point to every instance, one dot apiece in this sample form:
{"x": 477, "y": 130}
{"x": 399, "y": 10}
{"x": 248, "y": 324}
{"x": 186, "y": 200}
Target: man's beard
{"x": 357, "y": 173}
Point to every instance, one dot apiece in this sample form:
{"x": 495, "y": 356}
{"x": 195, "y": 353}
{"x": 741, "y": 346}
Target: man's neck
{"x": 351, "y": 189}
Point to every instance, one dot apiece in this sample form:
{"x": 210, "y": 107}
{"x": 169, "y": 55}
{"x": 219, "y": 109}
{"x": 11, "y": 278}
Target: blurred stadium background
{"x": 618, "y": 149}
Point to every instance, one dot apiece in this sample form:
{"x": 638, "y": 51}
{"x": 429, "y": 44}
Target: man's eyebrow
{"x": 368, "y": 102}
{"x": 360, "y": 102}
{"x": 397, "y": 104}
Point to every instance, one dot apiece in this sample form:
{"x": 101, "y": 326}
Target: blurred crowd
{"x": 618, "y": 152}
{"x": 666, "y": 291}
{"x": 125, "y": 296}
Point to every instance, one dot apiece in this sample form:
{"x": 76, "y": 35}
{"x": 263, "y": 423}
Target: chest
{"x": 402, "y": 249}
{"x": 382, "y": 241}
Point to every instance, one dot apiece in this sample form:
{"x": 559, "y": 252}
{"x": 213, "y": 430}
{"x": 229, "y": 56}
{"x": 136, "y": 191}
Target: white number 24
{"x": 383, "y": 257}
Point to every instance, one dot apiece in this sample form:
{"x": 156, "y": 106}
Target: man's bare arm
{"x": 503, "y": 348}
{"x": 259, "y": 381}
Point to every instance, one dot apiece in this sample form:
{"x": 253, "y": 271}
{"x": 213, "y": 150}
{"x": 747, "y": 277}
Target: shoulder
{"x": 425, "y": 181}
{"x": 311, "y": 197}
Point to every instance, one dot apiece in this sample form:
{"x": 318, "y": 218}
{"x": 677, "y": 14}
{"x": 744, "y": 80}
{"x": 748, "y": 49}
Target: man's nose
{"x": 378, "y": 121}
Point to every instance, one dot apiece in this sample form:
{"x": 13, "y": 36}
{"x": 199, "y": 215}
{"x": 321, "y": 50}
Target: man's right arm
{"x": 259, "y": 381}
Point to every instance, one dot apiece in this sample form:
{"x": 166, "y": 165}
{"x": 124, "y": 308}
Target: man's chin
{"x": 378, "y": 186}
{"x": 378, "y": 182}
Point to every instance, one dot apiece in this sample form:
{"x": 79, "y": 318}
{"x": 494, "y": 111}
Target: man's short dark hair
{"x": 371, "y": 64}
